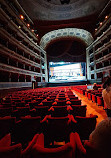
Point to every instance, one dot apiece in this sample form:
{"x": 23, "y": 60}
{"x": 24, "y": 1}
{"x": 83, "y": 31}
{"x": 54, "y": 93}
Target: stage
{"x": 67, "y": 83}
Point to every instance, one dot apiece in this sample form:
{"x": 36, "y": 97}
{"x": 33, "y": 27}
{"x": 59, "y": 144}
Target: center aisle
{"x": 92, "y": 108}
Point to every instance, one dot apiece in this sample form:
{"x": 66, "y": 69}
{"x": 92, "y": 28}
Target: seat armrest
{"x": 45, "y": 119}
{"x": 72, "y": 140}
{"x": 40, "y": 140}
{"x": 13, "y": 150}
{"x": 71, "y": 118}
{"x": 30, "y": 145}
{"x": 79, "y": 144}
{"x": 5, "y": 141}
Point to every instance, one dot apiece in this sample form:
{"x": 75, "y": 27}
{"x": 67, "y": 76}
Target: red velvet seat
{"x": 73, "y": 98}
{"x": 94, "y": 99}
{"x": 6, "y": 111}
{"x": 78, "y": 110}
{"x": 6, "y": 100}
{"x": 66, "y": 151}
{"x": 15, "y": 151}
{"x": 6, "y": 125}
{"x": 89, "y": 96}
{"x": 6, "y": 105}
{"x": 50, "y": 98}
{"x": 75, "y": 102}
{"x": 39, "y": 100}
{"x": 8, "y": 151}
{"x": 61, "y": 102}
{"x": 86, "y": 94}
{"x": 21, "y": 111}
{"x": 58, "y": 128}
{"x": 59, "y": 111}
{"x": 61, "y": 98}
{"x": 85, "y": 125}
{"x": 47, "y": 103}
{"x": 100, "y": 101}
{"x": 33, "y": 103}
{"x": 41, "y": 111}
{"x": 20, "y": 104}
{"x": 26, "y": 129}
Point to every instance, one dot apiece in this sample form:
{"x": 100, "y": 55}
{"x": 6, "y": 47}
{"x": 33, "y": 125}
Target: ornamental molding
{"x": 76, "y": 33}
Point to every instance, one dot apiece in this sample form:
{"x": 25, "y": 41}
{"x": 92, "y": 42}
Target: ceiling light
{"x": 22, "y": 17}
{"x": 32, "y": 30}
{"x": 106, "y": 17}
{"x": 28, "y": 25}
{"x": 101, "y": 23}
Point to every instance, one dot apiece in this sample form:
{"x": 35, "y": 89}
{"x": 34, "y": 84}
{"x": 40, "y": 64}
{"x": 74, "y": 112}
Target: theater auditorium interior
{"x": 51, "y": 54}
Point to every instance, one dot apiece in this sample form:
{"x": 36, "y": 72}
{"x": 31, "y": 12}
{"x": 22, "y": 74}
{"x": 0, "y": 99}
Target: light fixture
{"x": 101, "y": 23}
{"x": 96, "y": 29}
{"x": 28, "y": 25}
{"x": 106, "y": 17}
{"x": 32, "y": 30}
{"x": 37, "y": 35}
{"x": 22, "y": 17}
{"x": 19, "y": 27}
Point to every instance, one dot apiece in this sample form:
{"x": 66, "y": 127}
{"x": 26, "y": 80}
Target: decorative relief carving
{"x": 81, "y": 34}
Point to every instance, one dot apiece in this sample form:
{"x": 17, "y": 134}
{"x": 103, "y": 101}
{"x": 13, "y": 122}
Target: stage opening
{"x": 67, "y": 71}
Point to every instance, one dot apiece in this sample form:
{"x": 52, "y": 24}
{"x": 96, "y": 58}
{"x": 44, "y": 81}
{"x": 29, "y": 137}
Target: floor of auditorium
{"x": 92, "y": 108}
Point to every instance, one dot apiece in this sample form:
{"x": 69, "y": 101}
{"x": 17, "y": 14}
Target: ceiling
{"x": 49, "y": 15}
{"x": 54, "y": 10}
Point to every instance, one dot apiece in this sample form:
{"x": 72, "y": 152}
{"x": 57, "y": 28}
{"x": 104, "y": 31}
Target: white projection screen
{"x": 66, "y": 71}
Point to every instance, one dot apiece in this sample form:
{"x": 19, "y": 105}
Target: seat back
{"x": 6, "y": 125}
{"x": 85, "y": 125}
{"x": 6, "y": 111}
{"x": 59, "y": 111}
{"x": 75, "y": 102}
{"x": 11, "y": 151}
{"x": 65, "y": 151}
{"x": 26, "y": 129}
{"x": 61, "y": 102}
{"x": 47, "y": 103}
{"x": 78, "y": 110}
{"x": 41, "y": 110}
{"x": 58, "y": 129}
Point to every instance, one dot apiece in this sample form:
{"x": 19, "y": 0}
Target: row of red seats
{"x": 38, "y": 106}
{"x": 28, "y": 98}
{"x": 37, "y": 149}
{"x": 80, "y": 88}
{"x": 75, "y": 110}
{"x": 94, "y": 95}
{"x": 57, "y": 127}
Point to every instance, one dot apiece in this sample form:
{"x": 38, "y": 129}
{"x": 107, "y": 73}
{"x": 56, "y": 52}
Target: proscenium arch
{"x": 79, "y": 34}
